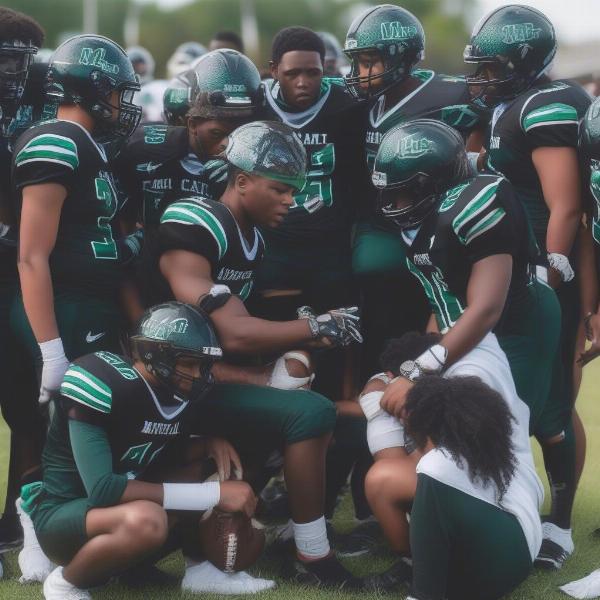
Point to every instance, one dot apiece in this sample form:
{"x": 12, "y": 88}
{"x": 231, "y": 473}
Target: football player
{"x": 532, "y": 141}
{"x": 335, "y": 61}
{"x": 208, "y": 253}
{"x": 474, "y": 499}
{"x": 65, "y": 201}
{"x": 226, "y": 39}
{"x": 163, "y": 163}
{"x": 467, "y": 242}
{"x": 307, "y": 258}
{"x": 20, "y": 38}
{"x": 143, "y": 63}
{"x": 118, "y": 455}
{"x": 384, "y": 44}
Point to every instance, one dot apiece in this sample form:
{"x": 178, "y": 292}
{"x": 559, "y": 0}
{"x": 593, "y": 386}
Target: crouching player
{"x": 96, "y": 513}
{"x": 473, "y": 497}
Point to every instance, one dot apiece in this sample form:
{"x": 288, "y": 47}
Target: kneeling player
{"x": 95, "y": 513}
{"x": 208, "y": 254}
{"x": 474, "y": 494}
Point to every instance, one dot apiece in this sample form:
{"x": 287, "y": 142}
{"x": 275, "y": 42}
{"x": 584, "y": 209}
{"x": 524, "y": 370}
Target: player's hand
{"x": 237, "y": 496}
{"x": 337, "y": 327}
{"x": 592, "y": 333}
{"x": 394, "y": 397}
{"x": 225, "y": 456}
{"x": 54, "y": 367}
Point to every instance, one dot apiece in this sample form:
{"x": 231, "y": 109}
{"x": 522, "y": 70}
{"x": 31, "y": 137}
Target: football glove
{"x": 53, "y": 370}
{"x": 131, "y": 246}
{"x": 341, "y": 326}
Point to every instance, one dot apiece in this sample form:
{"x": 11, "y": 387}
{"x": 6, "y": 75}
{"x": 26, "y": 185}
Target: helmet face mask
{"x": 15, "y": 59}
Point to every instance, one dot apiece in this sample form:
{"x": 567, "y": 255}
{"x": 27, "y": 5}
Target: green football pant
{"x": 85, "y": 324}
{"x": 462, "y": 547}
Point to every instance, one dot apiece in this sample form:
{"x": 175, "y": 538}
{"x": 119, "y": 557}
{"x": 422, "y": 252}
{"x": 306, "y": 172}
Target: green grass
{"x": 539, "y": 586}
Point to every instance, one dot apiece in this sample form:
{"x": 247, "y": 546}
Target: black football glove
{"x": 341, "y": 326}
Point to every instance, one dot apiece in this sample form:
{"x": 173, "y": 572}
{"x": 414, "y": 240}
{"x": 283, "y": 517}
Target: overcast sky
{"x": 574, "y": 20}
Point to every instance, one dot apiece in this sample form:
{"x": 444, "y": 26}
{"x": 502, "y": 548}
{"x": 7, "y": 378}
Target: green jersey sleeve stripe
{"x": 84, "y": 386}
{"x": 50, "y": 154}
{"x": 552, "y": 114}
{"x": 478, "y": 204}
{"x": 199, "y": 216}
{"x": 92, "y": 380}
{"x": 487, "y": 223}
{"x": 51, "y": 139}
{"x": 76, "y": 393}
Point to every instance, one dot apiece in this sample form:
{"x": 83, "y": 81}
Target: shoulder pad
{"x": 114, "y": 360}
{"x": 83, "y": 387}
{"x": 50, "y": 144}
{"x": 549, "y": 113}
{"x": 198, "y": 211}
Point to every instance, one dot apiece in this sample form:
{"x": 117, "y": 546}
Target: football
{"x": 230, "y": 540}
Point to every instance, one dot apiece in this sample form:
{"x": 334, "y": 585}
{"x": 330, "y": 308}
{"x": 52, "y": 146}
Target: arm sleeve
{"x": 93, "y": 457}
{"x": 554, "y": 124}
{"x": 485, "y": 225}
{"x": 46, "y": 158}
{"x": 429, "y": 543}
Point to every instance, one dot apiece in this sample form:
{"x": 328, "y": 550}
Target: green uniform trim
{"x": 52, "y": 147}
{"x": 190, "y": 213}
{"x": 484, "y": 225}
{"x": 477, "y": 205}
{"x": 551, "y": 114}
{"x": 83, "y": 387}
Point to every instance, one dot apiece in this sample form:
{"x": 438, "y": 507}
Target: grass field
{"x": 539, "y": 586}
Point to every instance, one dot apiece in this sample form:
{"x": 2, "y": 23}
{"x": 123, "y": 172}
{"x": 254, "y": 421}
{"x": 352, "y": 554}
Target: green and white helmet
{"x": 176, "y": 330}
{"x": 417, "y": 162}
{"x": 177, "y": 98}
{"x": 86, "y": 70}
{"x": 225, "y": 85}
{"x": 396, "y": 35}
{"x": 511, "y": 46}
{"x": 268, "y": 149}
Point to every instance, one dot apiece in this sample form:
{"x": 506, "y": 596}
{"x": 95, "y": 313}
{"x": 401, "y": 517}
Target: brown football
{"x": 230, "y": 541}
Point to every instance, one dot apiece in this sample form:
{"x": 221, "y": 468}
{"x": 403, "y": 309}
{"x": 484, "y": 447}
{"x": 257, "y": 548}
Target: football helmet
{"x": 511, "y": 47}
{"x": 416, "y": 162}
{"x": 270, "y": 150}
{"x": 171, "y": 331}
{"x": 395, "y": 35}
{"x": 177, "y": 99}
{"x": 143, "y": 63}
{"x": 183, "y": 58}
{"x": 86, "y": 70}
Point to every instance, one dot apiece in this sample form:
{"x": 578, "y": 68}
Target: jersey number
{"x": 105, "y": 249}
{"x": 317, "y": 192}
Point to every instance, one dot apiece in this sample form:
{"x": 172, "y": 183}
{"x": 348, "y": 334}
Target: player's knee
{"x": 390, "y": 480}
{"x": 145, "y": 525}
{"x": 312, "y": 416}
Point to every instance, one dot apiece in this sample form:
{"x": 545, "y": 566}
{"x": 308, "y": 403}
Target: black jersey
{"x": 331, "y": 134}
{"x": 208, "y": 228}
{"x": 140, "y": 421}
{"x": 476, "y": 219}
{"x": 439, "y": 97}
{"x": 158, "y": 167}
{"x": 546, "y": 115}
{"x": 85, "y": 256}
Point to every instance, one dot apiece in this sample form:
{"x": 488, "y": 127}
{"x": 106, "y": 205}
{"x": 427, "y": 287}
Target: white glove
{"x": 588, "y": 587}
{"x": 54, "y": 368}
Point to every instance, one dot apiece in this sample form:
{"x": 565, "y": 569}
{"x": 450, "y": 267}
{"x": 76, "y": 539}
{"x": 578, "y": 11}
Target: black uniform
{"x": 208, "y": 228}
{"x": 158, "y": 167}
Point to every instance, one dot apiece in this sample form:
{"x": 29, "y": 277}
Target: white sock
{"x": 311, "y": 538}
{"x": 562, "y": 537}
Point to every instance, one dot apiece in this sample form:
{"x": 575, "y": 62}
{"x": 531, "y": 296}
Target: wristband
{"x": 433, "y": 359}
{"x": 52, "y": 349}
{"x": 314, "y": 327}
{"x": 217, "y": 297}
{"x": 381, "y": 377}
{"x": 560, "y": 263}
{"x": 191, "y": 496}
{"x": 472, "y": 159}
{"x": 370, "y": 404}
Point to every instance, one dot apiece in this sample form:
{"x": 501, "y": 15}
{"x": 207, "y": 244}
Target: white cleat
{"x": 588, "y": 587}
{"x": 56, "y": 587}
{"x": 206, "y": 578}
{"x": 34, "y": 564}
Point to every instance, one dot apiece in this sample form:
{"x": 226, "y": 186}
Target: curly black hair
{"x": 15, "y": 25}
{"x": 407, "y": 347}
{"x": 468, "y": 419}
{"x": 296, "y": 38}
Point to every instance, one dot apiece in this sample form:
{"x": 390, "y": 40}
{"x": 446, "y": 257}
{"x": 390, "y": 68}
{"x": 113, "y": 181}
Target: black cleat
{"x": 552, "y": 556}
{"x": 326, "y": 572}
{"x": 365, "y": 538}
{"x": 398, "y": 574}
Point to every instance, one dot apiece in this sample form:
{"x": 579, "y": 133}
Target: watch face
{"x": 407, "y": 368}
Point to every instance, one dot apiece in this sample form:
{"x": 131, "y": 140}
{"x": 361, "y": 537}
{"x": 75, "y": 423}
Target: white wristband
{"x": 52, "y": 349}
{"x": 433, "y": 359}
{"x": 560, "y": 263}
{"x": 191, "y": 496}
{"x": 370, "y": 404}
{"x": 381, "y": 376}
{"x": 472, "y": 159}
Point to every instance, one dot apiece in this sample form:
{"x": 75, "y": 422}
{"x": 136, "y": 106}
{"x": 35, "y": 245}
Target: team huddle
{"x": 284, "y": 285}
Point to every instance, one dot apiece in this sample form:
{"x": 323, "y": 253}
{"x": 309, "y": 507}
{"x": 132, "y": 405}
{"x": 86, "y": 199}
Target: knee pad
{"x": 282, "y": 380}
